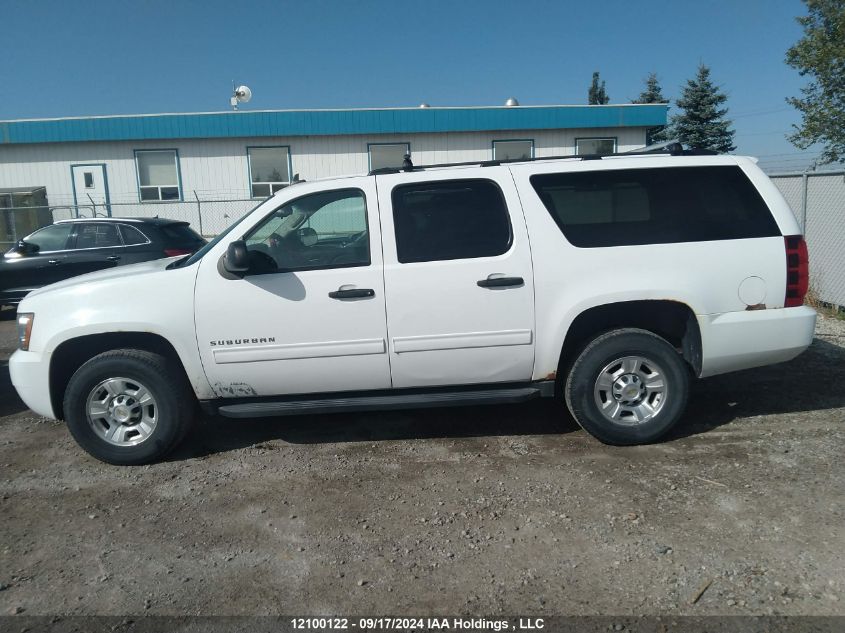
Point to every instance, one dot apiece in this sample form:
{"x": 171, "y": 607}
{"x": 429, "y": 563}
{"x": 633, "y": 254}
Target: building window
{"x": 387, "y": 154}
{"x": 451, "y": 219}
{"x": 158, "y": 174}
{"x": 513, "y": 150}
{"x": 600, "y": 146}
{"x": 89, "y": 179}
{"x": 269, "y": 170}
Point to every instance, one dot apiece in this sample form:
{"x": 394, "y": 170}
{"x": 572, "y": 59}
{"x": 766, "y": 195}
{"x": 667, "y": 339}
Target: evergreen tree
{"x": 701, "y": 123}
{"x": 597, "y": 94}
{"x": 821, "y": 55}
{"x": 652, "y": 92}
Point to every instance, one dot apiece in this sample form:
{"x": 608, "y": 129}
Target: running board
{"x": 381, "y": 403}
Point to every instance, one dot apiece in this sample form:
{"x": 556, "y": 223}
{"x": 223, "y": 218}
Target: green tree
{"x": 820, "y": 55}
{"x": 701, "y": 123}
{"x": 597, "y": 94}
{"x": 652, "y": 92}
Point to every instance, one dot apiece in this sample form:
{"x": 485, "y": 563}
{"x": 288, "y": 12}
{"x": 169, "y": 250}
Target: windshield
{"x": 201, "y": 252}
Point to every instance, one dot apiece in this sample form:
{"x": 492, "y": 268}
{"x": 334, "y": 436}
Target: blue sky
{"x": 92, "y": 57}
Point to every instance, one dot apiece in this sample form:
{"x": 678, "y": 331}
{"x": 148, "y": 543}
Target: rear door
{"x": 458, "y": 278}
{"x": 93, "y": 246}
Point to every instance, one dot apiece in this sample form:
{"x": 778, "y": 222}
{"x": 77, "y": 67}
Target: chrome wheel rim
{"x": 631, "y": 390}
{"x": 122, "y": 411}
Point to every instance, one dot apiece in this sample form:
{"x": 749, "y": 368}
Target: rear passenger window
{"x": 99, "y": 235}
{"x": 655, "y": 206}
{"x": 132, "y": 236}
{"x": 453, "y": 219}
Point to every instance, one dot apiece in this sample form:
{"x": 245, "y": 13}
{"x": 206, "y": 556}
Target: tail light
{"x": 797, "y": 271}
{"x": 173, "y": 252}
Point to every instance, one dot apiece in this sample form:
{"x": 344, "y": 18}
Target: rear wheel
{"x": 628, "y": 386}
{"x": 128, "y": 407}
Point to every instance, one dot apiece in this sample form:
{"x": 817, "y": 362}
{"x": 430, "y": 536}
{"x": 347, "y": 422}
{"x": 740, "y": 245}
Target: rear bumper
{"x": 30, "y": 373}
{"x": 742, "y": 340}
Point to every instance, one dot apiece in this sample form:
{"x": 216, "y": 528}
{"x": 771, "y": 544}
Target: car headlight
{"x": 25, "y": 320}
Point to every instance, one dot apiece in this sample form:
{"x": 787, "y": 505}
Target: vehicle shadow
{"x": 810, "y": 382}
{"x": 10, "y": 403}
{"x": 540, "y": 417}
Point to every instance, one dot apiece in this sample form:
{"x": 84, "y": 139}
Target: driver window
{"x": 51, "y": 238}
{"x": 321, "y": 230}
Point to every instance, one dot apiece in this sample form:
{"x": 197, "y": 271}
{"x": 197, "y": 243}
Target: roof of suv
{"x": 155, "y": 221}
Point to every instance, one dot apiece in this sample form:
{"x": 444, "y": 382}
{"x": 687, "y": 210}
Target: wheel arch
{"x": 672, "y": 320}
{"x": 71, "y": 354}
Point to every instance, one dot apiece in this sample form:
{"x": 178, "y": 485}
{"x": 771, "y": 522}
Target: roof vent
{"x": 424, "y": 105}
{"x": 510, "y": 103}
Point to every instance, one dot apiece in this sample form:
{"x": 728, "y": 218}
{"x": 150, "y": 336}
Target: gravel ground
{"x": 486, "y": 510}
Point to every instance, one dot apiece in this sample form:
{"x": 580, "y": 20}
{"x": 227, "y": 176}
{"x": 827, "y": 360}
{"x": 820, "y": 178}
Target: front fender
{"x": 159, "y": 302}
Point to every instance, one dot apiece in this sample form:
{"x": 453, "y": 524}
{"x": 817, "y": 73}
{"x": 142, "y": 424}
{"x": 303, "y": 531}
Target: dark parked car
{"x": 73, "y": 247}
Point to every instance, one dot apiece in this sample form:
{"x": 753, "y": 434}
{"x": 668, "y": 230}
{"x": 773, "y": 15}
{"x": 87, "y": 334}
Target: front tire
{"x": 628, "y": 386}
{"x": 128, "y": 407}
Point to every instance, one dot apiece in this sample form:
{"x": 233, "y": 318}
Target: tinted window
{"x": 179, "y": 234}
{"x": 132, "y": 236}
{"x": 454, "y": 219}
{"x": 655, "y": 206}
{"x": 321, "y": 230}
{"x": 51, "y": 238}
{"x": 98, "y": 235}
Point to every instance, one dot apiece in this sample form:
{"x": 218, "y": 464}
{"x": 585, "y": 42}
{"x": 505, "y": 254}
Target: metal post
{"x": 93, "y": 203}
{"x": 805, "y": 179}
{"x": 199, "y": 210}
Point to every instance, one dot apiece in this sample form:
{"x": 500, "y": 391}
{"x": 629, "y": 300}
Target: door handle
{"x": 501, "y": 282}
{"x": 53, "y": 262}
{"x": 113, "y": 258}
{"x": 353, "y": 293}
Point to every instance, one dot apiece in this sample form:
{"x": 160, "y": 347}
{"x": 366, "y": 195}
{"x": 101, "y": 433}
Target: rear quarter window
{"x": 655, "y": 206}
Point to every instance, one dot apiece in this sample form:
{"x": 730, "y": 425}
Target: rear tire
{"x": 128, "y": 407}
{"x": 628, "y": 386}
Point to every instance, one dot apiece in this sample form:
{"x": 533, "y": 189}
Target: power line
{"x": 751, "y": 113}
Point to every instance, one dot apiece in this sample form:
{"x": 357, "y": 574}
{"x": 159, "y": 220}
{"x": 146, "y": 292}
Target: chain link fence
{"x": 818, "y": 202}
{"x": 816, "y": 198}
{"x": 206, "y": 217}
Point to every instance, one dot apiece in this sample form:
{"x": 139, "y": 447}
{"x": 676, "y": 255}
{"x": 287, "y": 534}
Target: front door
{"x": 458, "y": 278}
{"x": 91, "y": 187}
{"x": 309, "y": 316}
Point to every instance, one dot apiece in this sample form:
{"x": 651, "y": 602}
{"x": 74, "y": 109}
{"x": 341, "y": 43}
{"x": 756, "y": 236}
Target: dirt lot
{"x": 486, "y": 510}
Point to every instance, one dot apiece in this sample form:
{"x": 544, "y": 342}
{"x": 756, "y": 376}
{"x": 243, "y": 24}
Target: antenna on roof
{"x": 241, "y": 94}
{"x": 407, "y": 165}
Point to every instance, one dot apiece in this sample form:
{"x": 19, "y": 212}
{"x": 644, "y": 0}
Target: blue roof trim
{"x": 327, "y": 123}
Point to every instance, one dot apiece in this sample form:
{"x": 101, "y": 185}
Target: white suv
{"x": 608, "y": 282}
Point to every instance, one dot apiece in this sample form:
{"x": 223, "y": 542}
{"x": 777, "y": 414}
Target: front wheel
{"x": 628, "y": 386}
{"x": 128, "y": 407}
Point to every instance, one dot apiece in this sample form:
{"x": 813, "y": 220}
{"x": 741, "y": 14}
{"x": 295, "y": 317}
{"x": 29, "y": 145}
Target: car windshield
{"x": 201, "y": 252}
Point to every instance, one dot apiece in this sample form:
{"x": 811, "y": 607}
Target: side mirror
{"x": 236, "y": 259}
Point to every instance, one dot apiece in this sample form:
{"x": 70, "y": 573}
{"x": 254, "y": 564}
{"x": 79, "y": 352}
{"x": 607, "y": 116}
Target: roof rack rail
{"x": 671, "y": 148}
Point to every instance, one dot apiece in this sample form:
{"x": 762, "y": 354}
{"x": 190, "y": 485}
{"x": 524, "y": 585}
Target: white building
{"x": 129, "y": 165}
